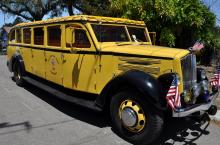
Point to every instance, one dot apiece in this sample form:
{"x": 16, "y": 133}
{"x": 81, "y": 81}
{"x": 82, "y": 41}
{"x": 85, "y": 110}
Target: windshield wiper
{"x": 122, "y": 43}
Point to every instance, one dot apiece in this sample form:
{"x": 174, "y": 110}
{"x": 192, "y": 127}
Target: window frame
{"x": 112, "y": 24}
{"x": 16, "y": 35}
{"x": 10, "y": 34}
{"x": 87, "y": 34}
{"x": 81, "y": 29}
{"x": 146, "y": 30}
{"x": 47, "y": 35}
{"x": 30, "y": 36}
{"x": 43, "y": 28}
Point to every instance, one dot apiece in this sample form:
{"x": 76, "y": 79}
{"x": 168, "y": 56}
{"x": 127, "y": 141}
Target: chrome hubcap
{"x": 132, "y": 116}
{"x": 128, "y": 116}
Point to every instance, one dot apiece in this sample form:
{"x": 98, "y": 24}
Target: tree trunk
{"x": 70, "y": 4}
{"x": 70, "y": 10}
{"x": 38, "y": 17}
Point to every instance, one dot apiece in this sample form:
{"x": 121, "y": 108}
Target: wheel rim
{"x": 18, "y": 76}
{"x": 132, "y": 116}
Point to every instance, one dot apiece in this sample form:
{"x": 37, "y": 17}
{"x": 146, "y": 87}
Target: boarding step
{"x": 60, "y": 94}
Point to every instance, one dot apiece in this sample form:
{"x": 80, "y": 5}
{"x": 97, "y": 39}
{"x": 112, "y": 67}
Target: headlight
{"x": 203, "y": 74}
{"x": 205, "y": 85}
{"x": 196, "y": 90}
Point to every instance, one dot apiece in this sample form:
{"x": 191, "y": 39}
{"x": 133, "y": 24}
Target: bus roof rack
{"x": 83, "y": 18}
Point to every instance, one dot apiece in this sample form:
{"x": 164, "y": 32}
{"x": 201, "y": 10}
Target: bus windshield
{"x": 112, "y": 33}
{"x": 138, "y": 34}
{"x": 109, "y": 33}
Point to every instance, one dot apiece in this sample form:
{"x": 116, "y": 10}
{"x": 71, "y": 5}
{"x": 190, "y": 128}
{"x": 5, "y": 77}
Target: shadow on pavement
{"x": 26, "y": 125}
{"x": 184, "y": 130}
{"x": 77, "y": 112}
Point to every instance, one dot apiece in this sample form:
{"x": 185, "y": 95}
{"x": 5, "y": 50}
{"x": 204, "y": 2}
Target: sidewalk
{"x": 217, "y": 116}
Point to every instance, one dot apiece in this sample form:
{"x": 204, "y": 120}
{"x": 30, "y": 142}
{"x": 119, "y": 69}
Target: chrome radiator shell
{"x": 188, "y": 64}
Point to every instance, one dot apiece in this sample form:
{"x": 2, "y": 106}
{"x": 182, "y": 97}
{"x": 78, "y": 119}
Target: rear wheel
{"x": 134, "y": 119}
{"x": 17, "y": 74}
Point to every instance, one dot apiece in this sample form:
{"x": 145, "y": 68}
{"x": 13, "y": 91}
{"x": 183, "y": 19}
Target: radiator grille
{"x": 188, "y": 64}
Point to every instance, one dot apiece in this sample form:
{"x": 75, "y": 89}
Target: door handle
{"x": 63, "y": 58}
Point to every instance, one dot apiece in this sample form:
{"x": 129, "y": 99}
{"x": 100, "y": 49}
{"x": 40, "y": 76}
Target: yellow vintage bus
{"x": 114, "y": 60}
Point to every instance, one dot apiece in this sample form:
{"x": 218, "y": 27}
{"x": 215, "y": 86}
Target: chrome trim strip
{"x": 140, "y": 61}
{"x": 148, "y": 69}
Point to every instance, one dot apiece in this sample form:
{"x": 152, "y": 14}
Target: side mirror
{"x": 70, "y": 36}
{"x": 153, "y": 36}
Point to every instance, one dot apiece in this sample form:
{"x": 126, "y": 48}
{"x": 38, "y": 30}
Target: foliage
{"x": 37, "y": 9}
{"x": 167, "y": 37}
{"x": 90, "y": 7}
{"x": 16, "y": 21}
{"x": 177, "y": 22}
{"x": 31, "y": 9}
{"x": 216, "y": 40}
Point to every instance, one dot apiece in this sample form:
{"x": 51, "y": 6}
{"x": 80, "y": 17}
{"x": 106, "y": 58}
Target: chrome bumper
{"x": 195, "y": 108}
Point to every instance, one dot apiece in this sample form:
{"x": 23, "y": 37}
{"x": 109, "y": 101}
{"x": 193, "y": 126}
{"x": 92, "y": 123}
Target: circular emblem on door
{"x": 53, "y": 65}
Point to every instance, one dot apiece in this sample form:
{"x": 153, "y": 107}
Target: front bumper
{"x": 196, "y": 108}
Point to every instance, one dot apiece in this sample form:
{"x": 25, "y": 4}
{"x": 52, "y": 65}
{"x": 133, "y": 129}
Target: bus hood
{"x": 145, "y": 50}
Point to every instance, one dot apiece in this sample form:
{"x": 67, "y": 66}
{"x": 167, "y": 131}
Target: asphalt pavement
{"x": 29, "y": 116}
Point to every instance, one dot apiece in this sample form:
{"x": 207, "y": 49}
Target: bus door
{"x": 80, "y": 64}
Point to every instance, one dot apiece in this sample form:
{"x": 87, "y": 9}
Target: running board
{"x": 59, "y": 94}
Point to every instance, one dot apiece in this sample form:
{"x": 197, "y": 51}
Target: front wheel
{"x": 134, "y": 119}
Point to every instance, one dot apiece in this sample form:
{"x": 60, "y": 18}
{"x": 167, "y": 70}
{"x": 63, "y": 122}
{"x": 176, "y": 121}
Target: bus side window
{"x": 27, "y": 36}
{"x": 81, "y": 39}
{"x": 18, "y": 35}
{"x": 12, "y": 36}
{"x": 39, "y": 36}
{"x": 54, "y": 36}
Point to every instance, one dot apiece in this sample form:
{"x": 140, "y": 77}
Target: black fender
{"x": 143, "y": 82}
{"x": 165, "y": 81}
{"x": 17, "y": 60}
